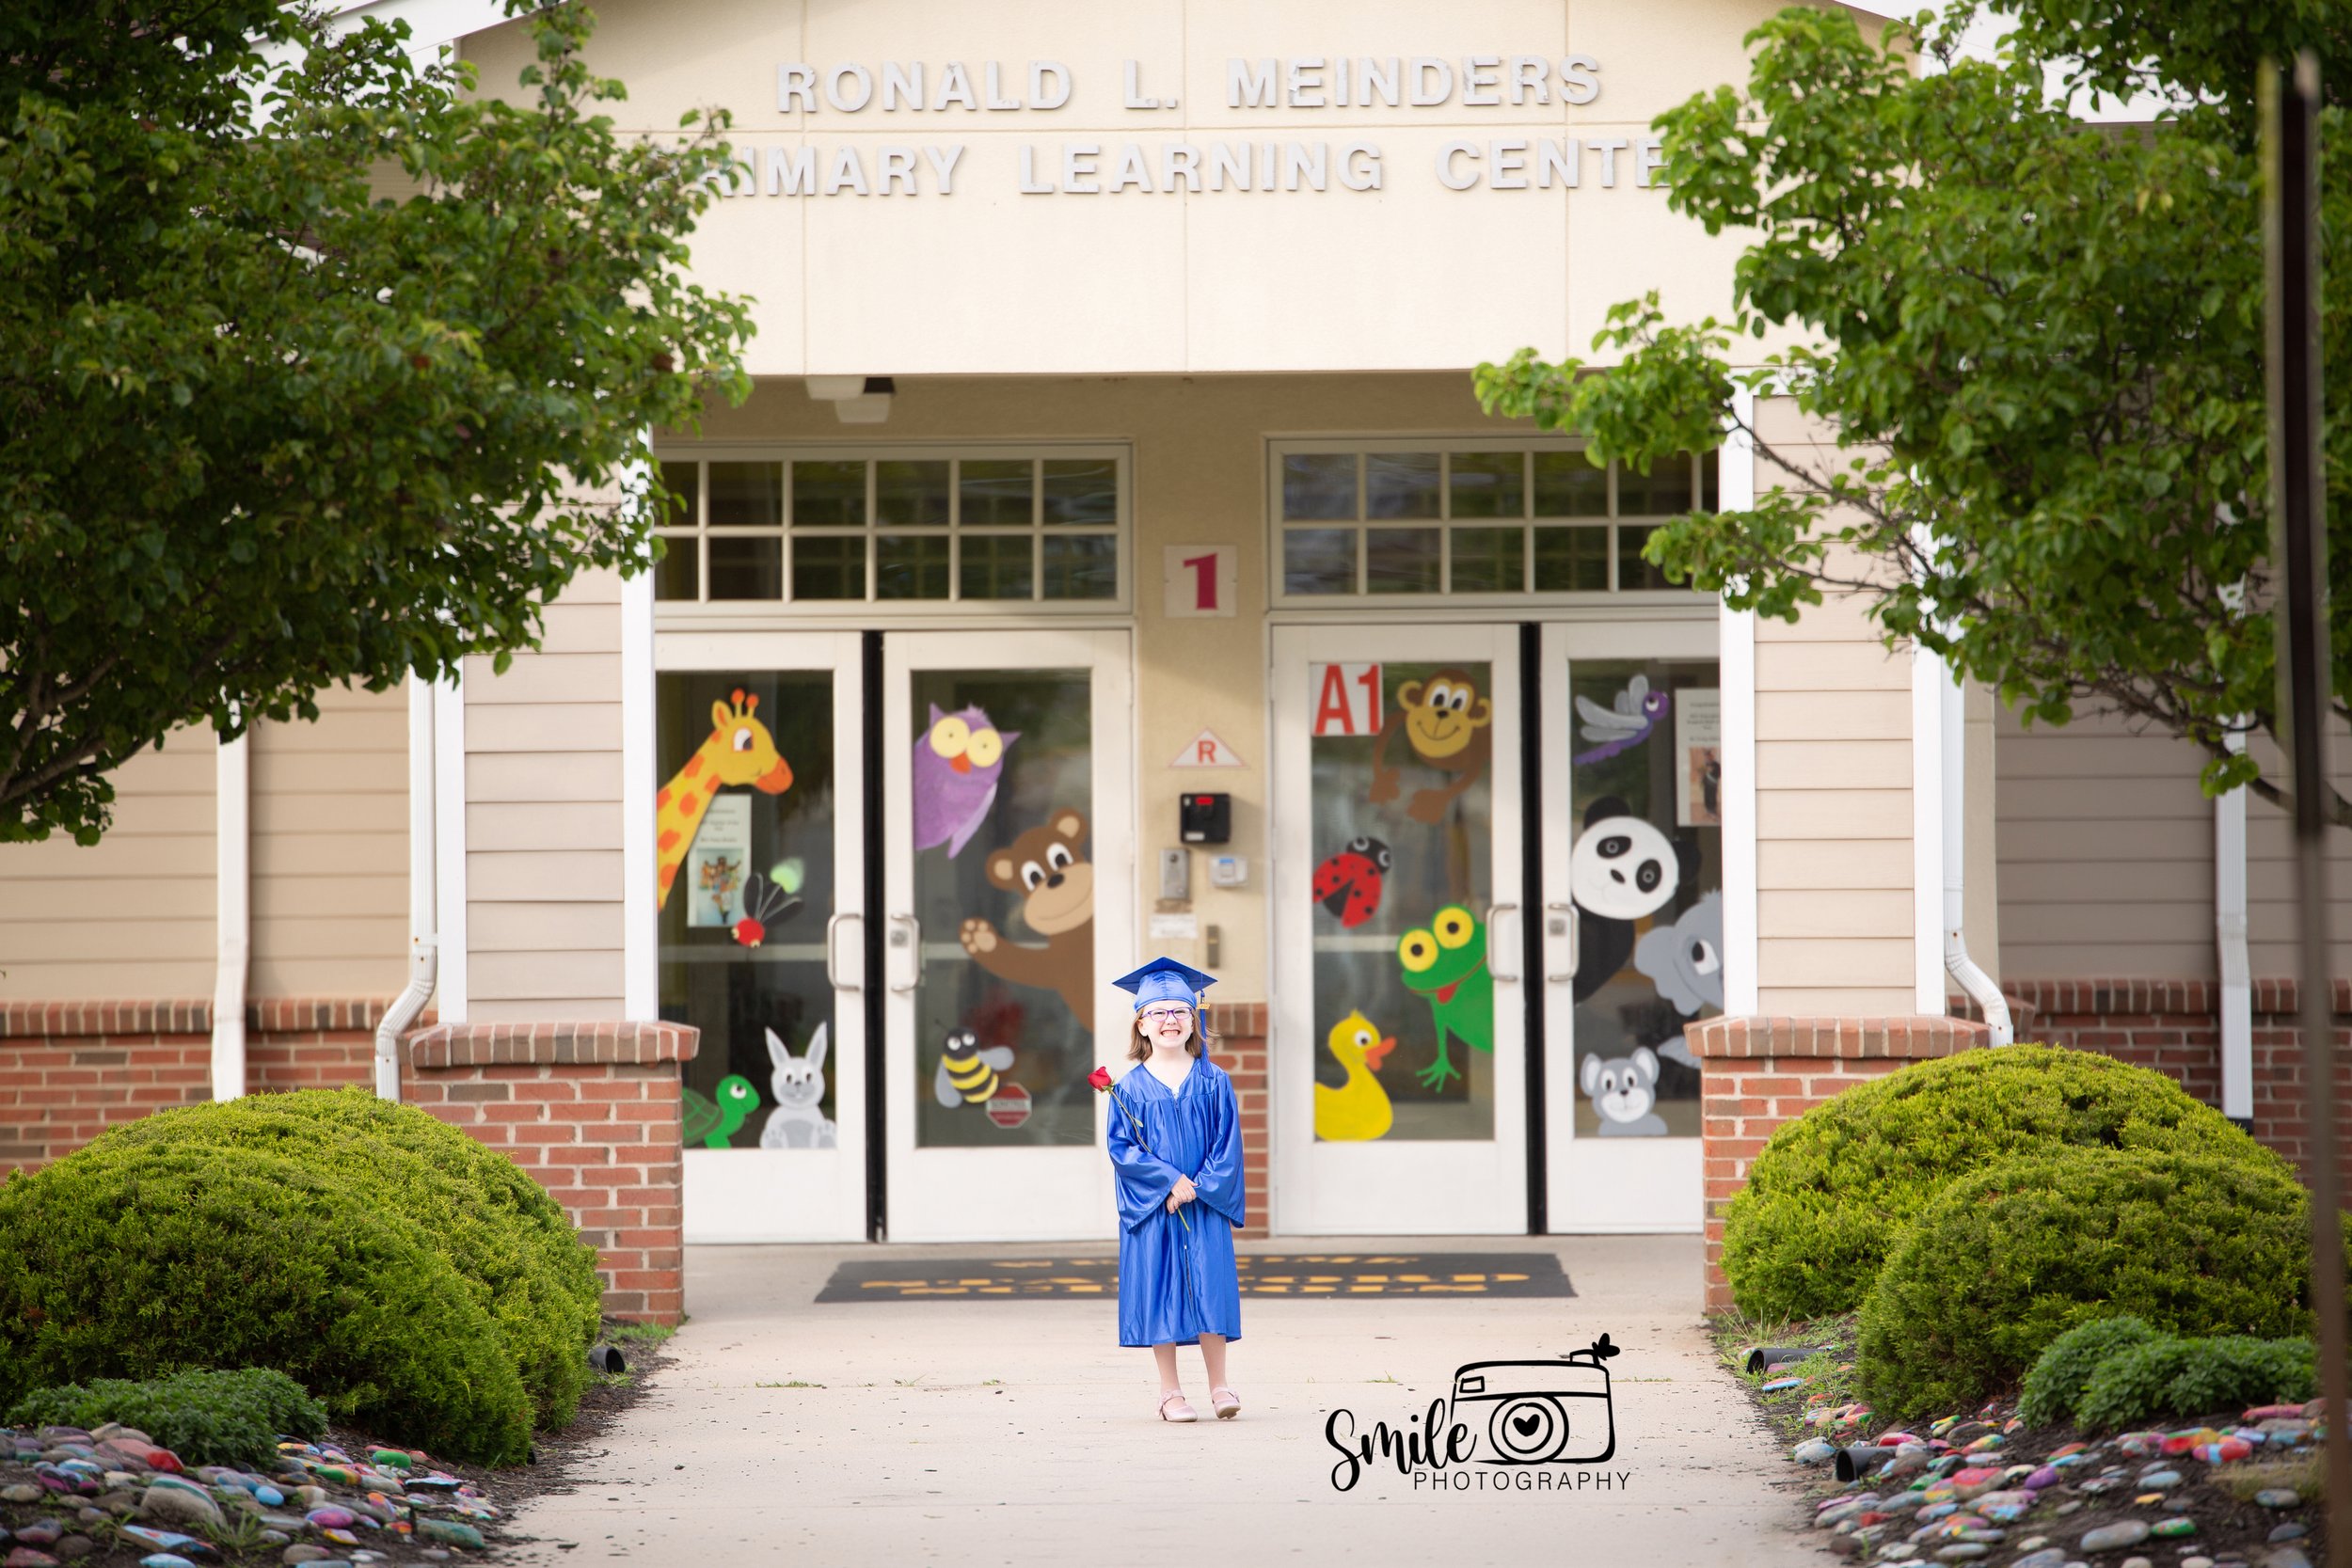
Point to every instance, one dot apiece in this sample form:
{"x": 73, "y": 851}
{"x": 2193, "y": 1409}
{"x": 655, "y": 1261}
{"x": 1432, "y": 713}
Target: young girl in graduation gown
{"x": 1175, "y": 1148}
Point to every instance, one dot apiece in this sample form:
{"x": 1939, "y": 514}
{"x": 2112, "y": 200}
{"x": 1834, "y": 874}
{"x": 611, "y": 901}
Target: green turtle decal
{"x": 711, "y": 1125}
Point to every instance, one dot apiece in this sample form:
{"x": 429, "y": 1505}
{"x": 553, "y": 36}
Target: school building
{"x": 1111, "y": 560}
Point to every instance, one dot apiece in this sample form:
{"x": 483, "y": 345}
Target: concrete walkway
{"x": 1018, "y": 1432}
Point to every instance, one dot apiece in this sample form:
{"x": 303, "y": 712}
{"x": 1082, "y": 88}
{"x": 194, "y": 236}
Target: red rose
{"x": 1100, "y": 1078}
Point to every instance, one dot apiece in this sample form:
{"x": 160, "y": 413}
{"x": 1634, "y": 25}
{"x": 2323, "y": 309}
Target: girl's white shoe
{"x": 1224, "y": 1402}
{"x": 1184, "y": 1411}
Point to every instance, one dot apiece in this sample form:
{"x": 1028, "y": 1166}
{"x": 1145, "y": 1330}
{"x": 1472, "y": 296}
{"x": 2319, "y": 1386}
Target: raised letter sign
{"x": 1347, "y": 699}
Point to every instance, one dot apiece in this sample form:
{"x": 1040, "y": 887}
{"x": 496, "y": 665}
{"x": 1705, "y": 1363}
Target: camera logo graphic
{"x": 1540, "y": 1412}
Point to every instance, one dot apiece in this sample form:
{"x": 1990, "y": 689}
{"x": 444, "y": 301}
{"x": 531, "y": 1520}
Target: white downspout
{"x": 423, "y": 897}
{"x": 232, "y": 911}
{"x": 2229, "y": 924}
{"x": 1957, "y": 963}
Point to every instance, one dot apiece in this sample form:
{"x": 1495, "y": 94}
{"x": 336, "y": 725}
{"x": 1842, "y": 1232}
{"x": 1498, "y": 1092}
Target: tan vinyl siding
{"x": 330, "y": 849}
{"x": 131, "y": 915}
{"x": 543, "y": 818}
{"x": 1835, "y": 912}
{"x": 2106, "y": 853}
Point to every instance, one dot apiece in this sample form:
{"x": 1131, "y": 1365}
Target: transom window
{"x": 860, "y": 524}
{"x": 1498, "y": 519}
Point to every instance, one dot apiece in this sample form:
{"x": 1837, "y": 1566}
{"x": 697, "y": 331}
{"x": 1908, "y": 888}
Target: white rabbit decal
{"x": 798, "y": 1085}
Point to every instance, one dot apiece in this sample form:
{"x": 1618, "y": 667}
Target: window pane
{"x": 1488, "y": 485}
{"x": 1080, "y": 490}
{"x": 1401, "y": 560}
{"x": 679, "y": 477}
{"x": 828, "y": 495}
{"x": 1665, "y": 490}
{"x": 829, "y": 567}
{"x": 995, "y": 565}
{"x": 679, "y": 575}
{"x": 1487, "y": 559}
{"x": 746, "y": 495}
{"x": 1401, "y": 485}
{"x": 1081, "y": 566}
{"x": 1319, "y": 561}
{"x": 1567, "y": 485}
{"x": 911, "y": 495}
{"x": 1711, "y": 491}
{"x": 1572, "y": 560}
{"x": 996, "y": 493}
{"x": 909, "y": 566}
{"x": 745, "y": 568}
{"x": 1632, "y": 571}
{"x": 1320, "y": 487}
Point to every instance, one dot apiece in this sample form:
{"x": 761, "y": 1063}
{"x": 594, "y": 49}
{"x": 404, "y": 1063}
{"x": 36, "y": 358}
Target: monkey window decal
{"x": 1446, "y": 723}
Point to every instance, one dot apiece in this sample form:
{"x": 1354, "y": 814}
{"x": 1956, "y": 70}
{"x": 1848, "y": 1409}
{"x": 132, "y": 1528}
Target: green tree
{"x": 267, "y": 433}
{"x": 2041, "y": 342}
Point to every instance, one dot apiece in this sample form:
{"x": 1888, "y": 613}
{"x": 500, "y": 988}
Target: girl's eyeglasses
{"x": 1161, "y": 1015}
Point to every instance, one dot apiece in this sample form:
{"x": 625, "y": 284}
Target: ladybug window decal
{"x": 1348, "y": 884}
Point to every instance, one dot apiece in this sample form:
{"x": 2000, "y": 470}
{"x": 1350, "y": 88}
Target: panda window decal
{"x": 1644, "y": 875}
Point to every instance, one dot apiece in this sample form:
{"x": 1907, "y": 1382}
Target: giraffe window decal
{"x": 738, "y": 752}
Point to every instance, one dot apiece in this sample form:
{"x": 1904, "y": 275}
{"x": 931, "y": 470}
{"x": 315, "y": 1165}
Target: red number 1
{"x": 1204, "y": 582}
{"x": 1370, "y": 681}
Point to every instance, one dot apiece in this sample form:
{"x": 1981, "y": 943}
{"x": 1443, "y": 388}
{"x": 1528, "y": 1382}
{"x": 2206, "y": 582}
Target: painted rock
{"x": 340, "y": 1537}
{"x": 2107, "y": 1538}
{"x": 2160, "y": 1480}
{"x": 1896, "y": 1439}
{"x": 164, "y": 1559}
{"x": 1973, "y": 1480}
{"x": 1813, "y": 1451}
{"x": 2274, "y": 1411}
{"x": 2142, "y": 1445}
{"x": 1962, "y": 1551}
{"x": 165, "y": 1540}
{"x": 2047, "y": 1557}
{"x": 2277, "y": 1496}
{"x": 330, "y": 1517}
{"x": 28, "y": 1557}
{"x": 41, "y": 1532}
{"x": 2049, "y": 1475}
{"x": 2173, "y": 1530}
{"x": 2293, "y": 1531}
{"x": 392, "y": 1459}
{"x": 1985, "y": 1443}
{"x": 448, "y": 1532}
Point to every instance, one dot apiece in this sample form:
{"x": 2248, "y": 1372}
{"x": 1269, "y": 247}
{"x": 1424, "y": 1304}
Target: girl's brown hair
{"x": 1203, "y": 1036}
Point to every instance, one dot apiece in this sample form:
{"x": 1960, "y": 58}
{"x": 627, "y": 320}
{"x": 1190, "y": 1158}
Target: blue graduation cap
{"x": 1166, "y": 980}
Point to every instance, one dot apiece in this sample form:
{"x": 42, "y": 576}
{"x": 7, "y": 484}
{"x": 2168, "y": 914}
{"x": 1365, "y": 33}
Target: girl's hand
{"x": 1181, "y": 1193}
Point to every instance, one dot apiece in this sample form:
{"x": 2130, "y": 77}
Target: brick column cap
{"x": 1899, "y": 1036}
{"x": 583, "y": 1042}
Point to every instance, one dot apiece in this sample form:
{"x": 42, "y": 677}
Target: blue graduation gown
{"x": 1173, "y": 1283}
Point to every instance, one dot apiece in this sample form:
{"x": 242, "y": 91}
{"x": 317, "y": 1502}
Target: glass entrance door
{"x": 1400, "y": 1013}
{"x": 1008, "y": 840}
{"x": 760, "y": 849}
{"x": 1632, "y": 918}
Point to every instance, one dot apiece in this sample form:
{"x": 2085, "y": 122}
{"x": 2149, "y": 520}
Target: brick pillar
{"x": 591, "y": 1110}
{"x": 1241, "y": 1051}
{"x": 1756, "y": 1073}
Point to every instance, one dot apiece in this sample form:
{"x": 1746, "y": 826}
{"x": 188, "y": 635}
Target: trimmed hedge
{"x": 2001, "y": 1263}
{"x": 205, "y": 1418}
{"x": 513, "y": 1244}
{"x": 2055, "y": 1385}
{"x": 1830, "y": 1193}
{"x": 2195, "y": 1377}
{"x": 138, "y": 1259}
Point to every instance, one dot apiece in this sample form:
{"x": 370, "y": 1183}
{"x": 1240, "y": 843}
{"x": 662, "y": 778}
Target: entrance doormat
{"x": 1263, "y": 1274}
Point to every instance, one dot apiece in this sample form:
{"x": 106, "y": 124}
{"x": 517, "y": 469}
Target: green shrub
{"x": 2194, "y": 1377}
{"x": 508, "y": 1239}
{"x": 1830, "y": 1192}
{"x": 136, "y": 1260}
{"x": 206, "y": 1418}
{"x": 2055, "y": 1385}
{"x": 2000, "y": 1263}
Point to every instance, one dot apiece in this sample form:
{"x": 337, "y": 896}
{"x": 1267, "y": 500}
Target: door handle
{"x": 1492, "y": 911}
{"x": 1569, "y": 910}
{"x": 914, "y": 951}
{"x": 833, "y": 974}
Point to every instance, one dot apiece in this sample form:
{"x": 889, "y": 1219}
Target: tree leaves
{"x": 268, "y": 432}
{"x": 2042, "y": 339}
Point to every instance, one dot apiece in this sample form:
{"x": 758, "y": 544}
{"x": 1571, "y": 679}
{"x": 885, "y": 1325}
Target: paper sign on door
{"x": 1347, "y": 698}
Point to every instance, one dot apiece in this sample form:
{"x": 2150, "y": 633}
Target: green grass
{"x": 2301, "y": 1475}
{"x": 638, "y": 1334}
{"x": 1832, "y": 1375}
